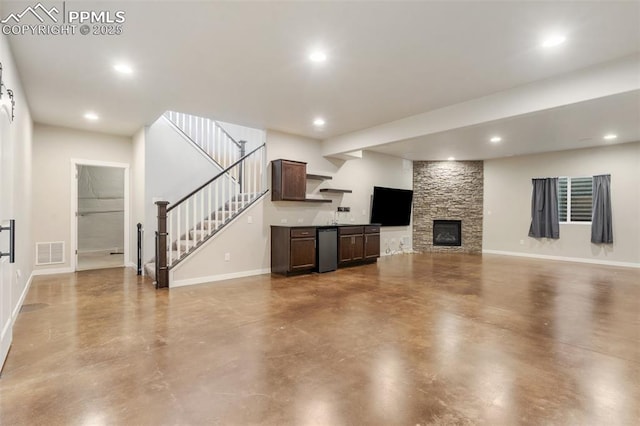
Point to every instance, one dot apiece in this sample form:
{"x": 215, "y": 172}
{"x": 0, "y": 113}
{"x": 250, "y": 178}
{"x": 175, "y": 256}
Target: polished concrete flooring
{"x": 413, "y": 340}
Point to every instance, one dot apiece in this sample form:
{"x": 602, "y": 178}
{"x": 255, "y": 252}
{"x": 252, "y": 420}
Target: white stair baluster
{"x": 209, "y": 210}
{"x": 170, "y": 235}
{"x": 178, "y": 230}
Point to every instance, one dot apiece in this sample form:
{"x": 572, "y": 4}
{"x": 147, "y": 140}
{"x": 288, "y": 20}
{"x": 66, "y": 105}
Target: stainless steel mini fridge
{"x": 327, "y": 249}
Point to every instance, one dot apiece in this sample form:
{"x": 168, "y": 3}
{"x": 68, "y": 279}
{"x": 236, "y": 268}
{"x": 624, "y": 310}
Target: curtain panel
{"x": 544, "y": 209}
{"x": 601, "y": 220}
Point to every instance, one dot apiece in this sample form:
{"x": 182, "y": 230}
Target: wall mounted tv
{"x": 391, "y": 206}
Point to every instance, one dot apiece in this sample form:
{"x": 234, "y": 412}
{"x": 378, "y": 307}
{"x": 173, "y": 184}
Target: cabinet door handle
{"x": 304, "y": 233}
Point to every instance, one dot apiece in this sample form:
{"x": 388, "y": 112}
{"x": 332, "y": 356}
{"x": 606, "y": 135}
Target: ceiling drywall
{"x": 247, "y": 62}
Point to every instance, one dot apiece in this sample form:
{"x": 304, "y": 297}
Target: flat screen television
{"x": 391, "y": 206}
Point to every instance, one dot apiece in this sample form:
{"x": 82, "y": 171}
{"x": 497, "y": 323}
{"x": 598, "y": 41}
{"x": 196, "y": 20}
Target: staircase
{"x": 188, "y": 224}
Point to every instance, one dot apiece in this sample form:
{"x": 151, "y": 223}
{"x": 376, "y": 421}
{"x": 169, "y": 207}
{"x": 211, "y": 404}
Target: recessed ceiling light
{"x": 554, "y": 40}
{"x": 91, "y": 116}
{"x": 495, "y": 139}
{"x": 610, "y": 136}
{"x": 451, "y": 159}
{"x": 318, "y": 56}
{"x": 123, "y": 69}
{"x": 318, "y": 122}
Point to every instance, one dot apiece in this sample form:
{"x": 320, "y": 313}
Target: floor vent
{"x": 50, "y": 253}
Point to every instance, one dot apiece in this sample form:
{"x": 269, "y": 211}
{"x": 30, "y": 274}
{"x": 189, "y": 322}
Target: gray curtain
{"x": 601, "y": 221}
{"x": 544, "y": 209}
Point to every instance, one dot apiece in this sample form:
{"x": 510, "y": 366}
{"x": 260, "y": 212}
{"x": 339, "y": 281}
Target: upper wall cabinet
{"x": 288, "y": 180}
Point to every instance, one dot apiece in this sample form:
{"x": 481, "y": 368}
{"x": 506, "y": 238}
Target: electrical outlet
{"x": 249, "y": 219}
{"x": 227, "y": 257}
{"x": 521, "y": 242}
{"x": 283, "y": 220}
{"x": 364, "y": 212}
{"x": 300, "y": 220}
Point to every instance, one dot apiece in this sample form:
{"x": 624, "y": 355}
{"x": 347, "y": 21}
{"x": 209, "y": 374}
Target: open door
{"x": 100, "y": 217}
{"x": 6, "y": 212}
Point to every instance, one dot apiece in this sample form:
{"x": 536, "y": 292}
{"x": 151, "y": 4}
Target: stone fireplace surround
{"x": 448, "y": 190}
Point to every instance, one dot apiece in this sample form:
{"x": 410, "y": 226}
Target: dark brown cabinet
{"x": 293, "y": 249}
{"x": 351, "y": 244}
{"x": 371, "y": 242}
{"x": 288, "y": 180}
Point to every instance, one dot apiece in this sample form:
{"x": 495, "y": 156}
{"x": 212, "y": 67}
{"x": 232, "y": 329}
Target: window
{"x": 577, "y": 206}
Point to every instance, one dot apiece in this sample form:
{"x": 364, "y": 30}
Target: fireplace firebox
{"x": 447, "y": 233}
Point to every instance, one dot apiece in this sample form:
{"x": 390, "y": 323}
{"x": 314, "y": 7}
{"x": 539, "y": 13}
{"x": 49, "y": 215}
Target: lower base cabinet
{"x": 294, "y": 250}
{"x": 371, "y": 242}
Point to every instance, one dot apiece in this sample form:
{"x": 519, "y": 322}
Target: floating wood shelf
{"x": 336, "y": 191}
{"x": 317, "y": 200}
{"x": 318, "y": 177}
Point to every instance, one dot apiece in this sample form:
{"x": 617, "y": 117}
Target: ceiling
{"x": 247, "y": 63}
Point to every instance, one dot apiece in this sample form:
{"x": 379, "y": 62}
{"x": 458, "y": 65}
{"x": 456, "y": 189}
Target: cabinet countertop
{"x": 341, "y": 225}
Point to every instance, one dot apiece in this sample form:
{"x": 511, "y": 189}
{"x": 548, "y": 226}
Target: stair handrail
{"x": 192, "y": 141}
{"x": 222, "y": 173}
{"x": 205, "y": 211}
{"x": 238, "y": 143}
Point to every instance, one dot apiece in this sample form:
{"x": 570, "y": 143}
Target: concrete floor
{"x": 415, "y": 339}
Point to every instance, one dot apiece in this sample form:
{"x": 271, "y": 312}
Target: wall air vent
{"x": 50, "y": 253}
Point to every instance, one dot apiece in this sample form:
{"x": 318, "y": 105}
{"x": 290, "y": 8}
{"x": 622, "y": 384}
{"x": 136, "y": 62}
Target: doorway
{"x": 101, "y": 216}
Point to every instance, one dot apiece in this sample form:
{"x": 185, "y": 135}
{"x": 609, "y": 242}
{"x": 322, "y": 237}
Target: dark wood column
{"x": 162, "y": 269}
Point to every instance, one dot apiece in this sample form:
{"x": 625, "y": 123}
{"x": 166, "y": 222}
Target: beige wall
{"x": 137, "y": 184}
{"x": 507, "y": 203}
{"x": 53, "y": 150}
{"x": 248, "y": 244}
{"x": 18, "y": 203}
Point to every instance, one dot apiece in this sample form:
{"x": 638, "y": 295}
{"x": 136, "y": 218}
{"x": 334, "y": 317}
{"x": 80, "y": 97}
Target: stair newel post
{"x": 162, "y": 269}
{"x": 243, "y": 151}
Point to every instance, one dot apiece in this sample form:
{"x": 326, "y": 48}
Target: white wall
{"x": 507, "y": 203}
{"x": 248, "y": 244}
{"x": 53, "y": 150}
{"x": 173, "y": 168}
{"x": 137, "y": 184}
{"x": 253, "y": 137}
{"x": 21, "y": 146}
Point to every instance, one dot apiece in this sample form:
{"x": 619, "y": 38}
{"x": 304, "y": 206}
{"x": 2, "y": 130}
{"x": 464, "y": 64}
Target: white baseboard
{"x": 131, "y": 265}
{"x": 212, "y": 278}
{"x": 16, "y": 310}
{"x": 564, "y": 258}
{"x": 52, "y": 271}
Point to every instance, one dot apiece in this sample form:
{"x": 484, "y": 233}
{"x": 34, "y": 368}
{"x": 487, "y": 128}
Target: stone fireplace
{"x": 447, "y": 233}
{"x": 447, "y": 206}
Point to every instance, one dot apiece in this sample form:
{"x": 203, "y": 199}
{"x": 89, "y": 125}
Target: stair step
{"x": 199, "y": 234}
{"x": 205, "y": 224}
{"x": 221, "y": 215}
{"x": 150, "y": 270}
{"x": 234, "y": 206}
{"x": 247, "y": 196}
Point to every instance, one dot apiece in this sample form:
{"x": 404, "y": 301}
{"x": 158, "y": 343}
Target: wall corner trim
{"x": 564, "y": 259}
